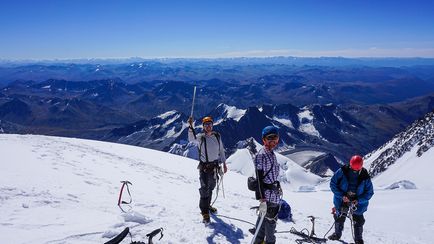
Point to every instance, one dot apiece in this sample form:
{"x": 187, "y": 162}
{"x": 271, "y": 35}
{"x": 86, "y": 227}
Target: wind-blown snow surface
{"x": 61, "y": 190}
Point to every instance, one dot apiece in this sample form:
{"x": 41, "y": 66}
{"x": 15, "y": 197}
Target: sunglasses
{"x": 207, "y": 124}
{"x": 272, "y": 137}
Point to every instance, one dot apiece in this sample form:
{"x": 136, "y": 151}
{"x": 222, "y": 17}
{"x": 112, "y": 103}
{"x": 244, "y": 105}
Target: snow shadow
{"x": 232, "y": 233}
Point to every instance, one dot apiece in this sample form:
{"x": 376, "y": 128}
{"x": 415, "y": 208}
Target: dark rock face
{"x": 322, "y": 164}
{"x": 16, "y": 111}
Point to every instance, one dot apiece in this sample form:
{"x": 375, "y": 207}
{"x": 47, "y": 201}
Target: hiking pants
{"x": 358, "y": 221}
{"x": 208, "y": 181}
{"x": 268, "y": 226}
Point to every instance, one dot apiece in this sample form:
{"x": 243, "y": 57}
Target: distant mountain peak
{"x": 228, "y": 112}
{"x": 167, "y": 114}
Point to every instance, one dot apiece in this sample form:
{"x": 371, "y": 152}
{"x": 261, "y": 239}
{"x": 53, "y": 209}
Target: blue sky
{"x": 117, "y": 29}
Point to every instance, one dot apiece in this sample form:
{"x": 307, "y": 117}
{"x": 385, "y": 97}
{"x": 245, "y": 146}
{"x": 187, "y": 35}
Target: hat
{"x": 356, "y": 162}
{"x": 270, "y": 130}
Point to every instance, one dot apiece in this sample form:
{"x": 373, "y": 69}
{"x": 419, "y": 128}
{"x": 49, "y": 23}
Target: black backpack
{"x": 253, "y": 183}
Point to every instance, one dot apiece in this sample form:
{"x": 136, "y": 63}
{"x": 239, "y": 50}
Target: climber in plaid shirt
{"x": 267, "y": 169}
{"x": 266, "y": 163}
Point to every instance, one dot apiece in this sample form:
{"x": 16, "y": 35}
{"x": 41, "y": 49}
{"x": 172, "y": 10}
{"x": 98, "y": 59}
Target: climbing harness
{"x": 352, "y": 209}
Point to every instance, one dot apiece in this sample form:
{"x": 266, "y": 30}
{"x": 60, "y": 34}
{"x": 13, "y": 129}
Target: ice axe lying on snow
{"x": 309, "y": 237}
{"x": 126, "y": 231}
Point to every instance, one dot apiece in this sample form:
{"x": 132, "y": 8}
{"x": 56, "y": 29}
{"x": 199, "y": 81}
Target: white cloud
{"x": 369, "y": 52}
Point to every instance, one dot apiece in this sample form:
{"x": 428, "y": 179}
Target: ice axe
{"x": 312, "y": 219}
{"x": 190, "y": 120}
{"x": 192, "y": 105}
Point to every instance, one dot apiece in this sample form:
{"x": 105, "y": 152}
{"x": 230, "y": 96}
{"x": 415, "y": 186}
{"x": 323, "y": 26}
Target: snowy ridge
{"x": 407, "y": 156}
{"x": 229, "y": 112}
{"x": 420, "y": 134}
{"x": 158, "y": 132}
{"x": 285, "y": 121}
{"x": 167, "y": 114}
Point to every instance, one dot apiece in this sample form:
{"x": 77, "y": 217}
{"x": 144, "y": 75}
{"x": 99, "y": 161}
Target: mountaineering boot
{"x": 339, "y": 227}
{"x": 334, "y": 237}
{"x": 212, "y": 210}
{"x": 206, "y": 219}
{"x": 358, "y": 231}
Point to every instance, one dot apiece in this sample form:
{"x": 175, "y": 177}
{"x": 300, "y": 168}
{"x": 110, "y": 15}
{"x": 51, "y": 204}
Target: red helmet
{"x": 356, "y": 162}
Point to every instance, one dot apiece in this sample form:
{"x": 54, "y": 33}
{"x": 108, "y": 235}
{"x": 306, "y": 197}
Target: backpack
{"x": 285, "y": 211}
{"x": 253, "y": 183}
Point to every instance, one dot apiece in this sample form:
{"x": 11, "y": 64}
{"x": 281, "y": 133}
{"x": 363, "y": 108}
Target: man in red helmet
{"x": 352, "y": 187}
{"x": 211, "y": 158}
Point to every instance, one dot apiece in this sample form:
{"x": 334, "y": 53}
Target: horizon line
{"x": 203, "y": 58}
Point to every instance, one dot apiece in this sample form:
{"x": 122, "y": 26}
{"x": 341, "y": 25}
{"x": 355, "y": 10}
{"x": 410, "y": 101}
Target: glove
{"x": 263, "y": 207}
{"x": 190, "y": 121}
{"x": 225, "y": 168}
{"x": 345, "y": 199}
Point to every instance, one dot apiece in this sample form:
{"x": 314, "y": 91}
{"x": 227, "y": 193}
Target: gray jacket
{"x": 215, "y": 148}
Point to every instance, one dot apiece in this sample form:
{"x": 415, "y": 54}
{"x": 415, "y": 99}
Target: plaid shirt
{"x": 264, "y": 160}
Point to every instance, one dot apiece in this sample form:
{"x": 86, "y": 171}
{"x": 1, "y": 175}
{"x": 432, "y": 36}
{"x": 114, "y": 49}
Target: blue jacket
{"x": 339, "y": 187}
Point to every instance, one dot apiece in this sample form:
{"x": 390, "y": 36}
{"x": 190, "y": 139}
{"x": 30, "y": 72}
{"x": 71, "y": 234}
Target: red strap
{"x": 120, "y": 193}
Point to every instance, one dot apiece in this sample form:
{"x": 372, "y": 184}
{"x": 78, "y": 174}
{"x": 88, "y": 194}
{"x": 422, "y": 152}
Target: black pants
{"x": 208, "y": 181}
{"x": 268, "y": 227}
{"x": 358, "y": 221}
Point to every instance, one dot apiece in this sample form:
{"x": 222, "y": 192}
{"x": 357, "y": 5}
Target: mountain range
{"x": 337, "y": 110}
{"x": 339, "y": 131}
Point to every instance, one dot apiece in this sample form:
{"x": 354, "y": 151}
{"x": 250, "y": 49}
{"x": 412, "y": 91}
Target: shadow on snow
{"x": 232, "y": 233}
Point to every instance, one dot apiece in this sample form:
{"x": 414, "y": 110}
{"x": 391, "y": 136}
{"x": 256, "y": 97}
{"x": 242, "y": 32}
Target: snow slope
{"x": 296, "y": 177}
{"x": 63, "y": 190}
{"x": 409, "y": 167}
